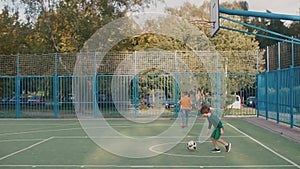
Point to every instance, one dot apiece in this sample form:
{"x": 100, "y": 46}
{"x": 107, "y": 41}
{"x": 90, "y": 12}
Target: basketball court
{"x": 76, "y": 143}
{"x": 64, "y": 144}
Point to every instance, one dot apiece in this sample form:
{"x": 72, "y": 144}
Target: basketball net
{"x": 205, "y": 23}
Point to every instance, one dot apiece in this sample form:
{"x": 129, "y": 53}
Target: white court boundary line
{"x": 21, "y": 140}
{"x": 116, "y": 137}
{"x": 24, "y": 149}
{"x": 266, "y": 147}
{"x": 74, "y": 128}
{"x": 149, "y": 166}
{"x": 66, "y": 129}
{"x": 39, "y": 131}
{"x": 49, "y": 130}
{"x": 10, "y": 122}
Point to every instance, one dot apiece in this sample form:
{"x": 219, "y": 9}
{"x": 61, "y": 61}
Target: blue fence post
{"x": 267, "y": 85}
{"x": 95, "y": 87}
{"x": 55, "y": 95}
{"x": 177, "y": 96}
{"x": 291, "y": 96}
{"x": 176, "y": 89}
{"x": 135, "y": 87}
{"x": 256, "y": 91}
{"x": 18, "y": 109}
{"x": 217, "y": 85}
{"x": 292, "y": 88}
{"x": 277, "y": 86}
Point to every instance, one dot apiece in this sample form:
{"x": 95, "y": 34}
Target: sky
{"x": 290, "y": 7}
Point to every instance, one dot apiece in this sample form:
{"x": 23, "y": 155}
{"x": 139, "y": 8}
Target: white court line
{"x": 64, "y": 129}
{"x": 117, "y": 137}
{"x": 42, "y": 124}
{"x": 20, "y": 140}
{"x": 266, "y": 147}
{"x": 77, "y": 128}
{"x": 87, "y": 137}
{"x": 50, "y": 130}
{"x": 24, "y": 149}
{"x": 39, "y": 131}
{"x": 148, "y": 166}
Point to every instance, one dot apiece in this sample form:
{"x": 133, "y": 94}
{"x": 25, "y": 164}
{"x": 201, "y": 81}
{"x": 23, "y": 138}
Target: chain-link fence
{"x": 116, "y": 84}
{"x": 283, "y": 56}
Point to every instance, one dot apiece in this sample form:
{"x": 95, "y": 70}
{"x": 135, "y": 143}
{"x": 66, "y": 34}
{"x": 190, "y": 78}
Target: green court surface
{"x": 64, "y": 144}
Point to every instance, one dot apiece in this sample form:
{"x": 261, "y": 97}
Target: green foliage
{"x": 12, "y": 33}
{"x": 58, "y": 26}
{"x": 235, "y": 44}
{"x": 275, "y": 25}
{"x": 150, "y": 41}
{"x": 294, "y": 29}
{"x": 238, "y": 51}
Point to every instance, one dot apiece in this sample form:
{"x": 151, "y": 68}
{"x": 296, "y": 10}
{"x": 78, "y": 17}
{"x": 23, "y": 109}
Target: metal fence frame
{"x": 52, "y": 73}
{"x": 279, "y": 87}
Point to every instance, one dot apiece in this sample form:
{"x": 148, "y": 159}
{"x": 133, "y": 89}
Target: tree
{"x": 274, "y": 25}
{"x": 64, "y": 26}
{"x": 225, "y": 40}
{"x": 239, "y": 51}
{"x": 12, "y": 33}
{"x": 294, "y": 29}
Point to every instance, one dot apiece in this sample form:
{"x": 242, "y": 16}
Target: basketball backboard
{"x": 214, "y": 17}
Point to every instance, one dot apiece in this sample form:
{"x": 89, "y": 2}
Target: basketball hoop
{"x": 214, "y": 16}
{"x": 206, "y": 23}
{"x": 214, "y": 23}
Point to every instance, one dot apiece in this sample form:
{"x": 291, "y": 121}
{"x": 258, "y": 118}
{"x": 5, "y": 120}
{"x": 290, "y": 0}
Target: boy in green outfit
{"x": 214, "y": 120}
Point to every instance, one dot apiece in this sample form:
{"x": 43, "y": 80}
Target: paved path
{"x": 283, "y": 129}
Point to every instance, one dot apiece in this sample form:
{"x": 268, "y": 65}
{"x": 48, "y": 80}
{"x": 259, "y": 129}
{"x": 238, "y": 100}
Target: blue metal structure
{"x": 259, "y": 14}
{"x": 280, "y": 100}
{"x": 278, "y": 96}
{"x": 278, "y": 90}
